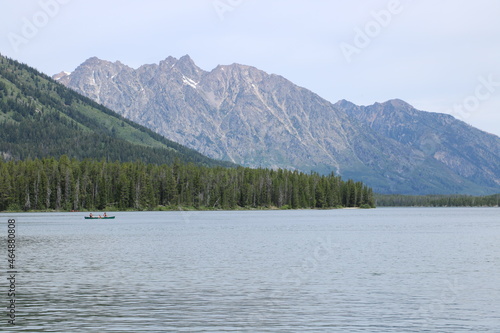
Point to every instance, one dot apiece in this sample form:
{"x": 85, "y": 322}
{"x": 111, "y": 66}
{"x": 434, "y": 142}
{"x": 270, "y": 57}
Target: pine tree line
{"x": 394, "y": 200}
{"x": 69, "y": 184}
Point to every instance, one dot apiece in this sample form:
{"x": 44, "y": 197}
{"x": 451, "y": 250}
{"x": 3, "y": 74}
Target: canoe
{"x": 99, "y": 218}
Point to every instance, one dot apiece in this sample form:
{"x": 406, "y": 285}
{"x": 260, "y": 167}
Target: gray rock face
{"x": 252, "y": 118}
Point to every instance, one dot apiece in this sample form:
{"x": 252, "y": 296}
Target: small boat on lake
{"x": 98, "y": 218}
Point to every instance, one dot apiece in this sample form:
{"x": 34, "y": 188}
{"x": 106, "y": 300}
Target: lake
{"x": 379, "y": 270}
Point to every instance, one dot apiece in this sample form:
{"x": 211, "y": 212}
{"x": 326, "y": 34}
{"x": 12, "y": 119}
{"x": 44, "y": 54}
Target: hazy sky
{"x": 439, "y": 56}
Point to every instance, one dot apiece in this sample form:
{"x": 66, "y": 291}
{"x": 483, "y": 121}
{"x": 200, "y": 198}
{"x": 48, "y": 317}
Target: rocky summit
{"x": 244, "y": 115}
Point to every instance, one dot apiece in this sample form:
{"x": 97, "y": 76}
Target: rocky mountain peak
{"x": 186, "y": 60}
{"x": 60, "y": 75}
{"x": 398, "y": 103}
{"x": 345, "y": 104}
{"x": 187, "y": 66}
{"x": 242, "y": 114}
{"x": 168, "y": 63}
{"x": 94, "y": 61}
{"x": 395, "y": 104}
{"x": 237, "y": 73}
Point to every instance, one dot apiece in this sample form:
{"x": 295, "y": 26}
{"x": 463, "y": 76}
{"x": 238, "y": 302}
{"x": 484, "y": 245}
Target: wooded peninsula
{"x": 69, "y": 184}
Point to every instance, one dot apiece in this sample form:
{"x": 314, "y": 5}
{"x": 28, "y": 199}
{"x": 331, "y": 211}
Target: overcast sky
{"x": 439, "y": 56}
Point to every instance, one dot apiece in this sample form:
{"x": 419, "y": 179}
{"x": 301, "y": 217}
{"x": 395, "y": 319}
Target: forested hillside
{"x": 62, "y": 151}
{"x": 393, "y": 200}
{"x": 69, "y": 184}
{"x": 41, "y": 118}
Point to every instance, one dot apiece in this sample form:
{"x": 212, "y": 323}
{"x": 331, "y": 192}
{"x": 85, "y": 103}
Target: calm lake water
{"x": 382, "y": 270}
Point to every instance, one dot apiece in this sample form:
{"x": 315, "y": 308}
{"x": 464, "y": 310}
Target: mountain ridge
{"x": 42, "y": 118}
{"x": 241, "y": 114}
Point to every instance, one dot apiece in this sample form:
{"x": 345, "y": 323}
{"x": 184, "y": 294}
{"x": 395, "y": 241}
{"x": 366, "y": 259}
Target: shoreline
{"x": 179, "y": 209}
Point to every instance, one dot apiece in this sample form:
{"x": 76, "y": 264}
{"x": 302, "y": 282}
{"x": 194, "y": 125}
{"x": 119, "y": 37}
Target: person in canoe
{"x": 91, "y": 215}
{"x": 105, "y": 214}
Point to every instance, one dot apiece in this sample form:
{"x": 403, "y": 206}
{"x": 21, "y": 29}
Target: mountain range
{"x": 41, "y": 118}
{"x": 244, "y": 115}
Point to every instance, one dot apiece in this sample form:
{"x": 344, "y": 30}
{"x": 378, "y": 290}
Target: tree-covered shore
{"x": 395, "y": 200}
{"x": 68, "y": 184}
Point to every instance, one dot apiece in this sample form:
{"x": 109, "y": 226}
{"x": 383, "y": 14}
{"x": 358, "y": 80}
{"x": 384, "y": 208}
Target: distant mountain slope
{"x": 41, "y": 118}
{"x": 241, "y": 114}
{"x": 438, "y": 150}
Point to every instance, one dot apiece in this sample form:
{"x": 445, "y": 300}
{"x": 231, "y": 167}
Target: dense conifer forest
{"x": 394, "y": 200}
{"x": 69, "y": 184}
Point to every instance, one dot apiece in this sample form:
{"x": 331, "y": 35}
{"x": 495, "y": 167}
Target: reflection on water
{"x": 383, "y": 270}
